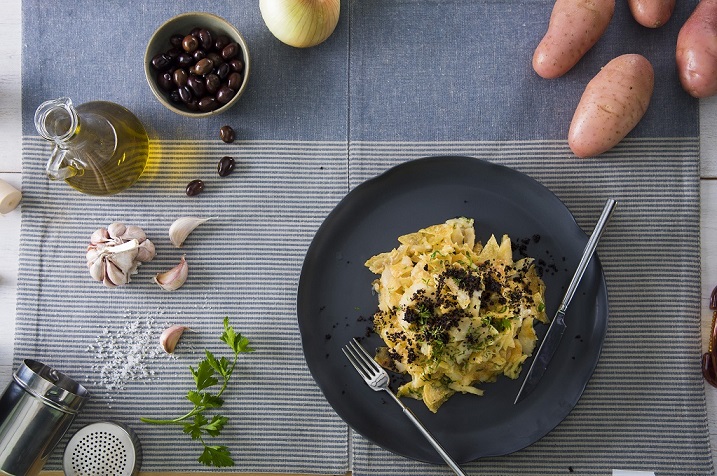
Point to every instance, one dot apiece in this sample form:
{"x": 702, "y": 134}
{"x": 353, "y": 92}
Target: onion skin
{"x": 696, "y": 53}
{"x": 651, "y": 13}
{"x": 300, "y": 23}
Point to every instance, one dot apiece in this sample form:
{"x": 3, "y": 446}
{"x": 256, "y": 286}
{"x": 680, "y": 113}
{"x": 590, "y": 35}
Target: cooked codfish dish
{"x": 454, "y": 313}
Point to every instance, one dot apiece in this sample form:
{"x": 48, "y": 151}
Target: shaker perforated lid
{"x": 103, "y": 449}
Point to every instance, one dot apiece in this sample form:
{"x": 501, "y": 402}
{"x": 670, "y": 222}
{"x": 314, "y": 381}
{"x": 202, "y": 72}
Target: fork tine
{"x": 370, "y": 364}
{"x": 377, "y": 378}
{"x": 356, "y": 349}
{"x": 349, "y": 353}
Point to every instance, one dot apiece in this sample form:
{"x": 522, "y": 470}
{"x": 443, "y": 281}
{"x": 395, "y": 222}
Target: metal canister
{"x": 36, "y": 410}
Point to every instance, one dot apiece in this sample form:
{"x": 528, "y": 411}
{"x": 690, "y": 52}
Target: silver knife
{"x": 551, "y": 341}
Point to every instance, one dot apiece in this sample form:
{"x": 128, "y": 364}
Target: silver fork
{"x": 377, "y": 378}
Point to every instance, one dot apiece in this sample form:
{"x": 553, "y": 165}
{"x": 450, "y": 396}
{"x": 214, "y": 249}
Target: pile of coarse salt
{"x": 125, "y": 355}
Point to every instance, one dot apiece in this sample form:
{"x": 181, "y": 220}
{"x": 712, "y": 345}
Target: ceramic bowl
{"x": 183, "y": 24}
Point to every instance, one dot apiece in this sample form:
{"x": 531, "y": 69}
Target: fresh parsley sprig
{"x": 210, "y": 373}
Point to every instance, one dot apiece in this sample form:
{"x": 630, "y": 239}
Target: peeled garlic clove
{"x": 174, "y": 278}
{"x": 182, "y": 227}
{"x": 146, "y": 251}
{"x": 169, "y": 338}
{"x": 123, "y": 255}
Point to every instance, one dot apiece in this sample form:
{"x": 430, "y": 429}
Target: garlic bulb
{"x": 115, "y": 253}
{"x": 300, "y": 23}
{"x": 174, "y": 278}
{"x": 170, "y": 337}
{"x": 182, "y": 227}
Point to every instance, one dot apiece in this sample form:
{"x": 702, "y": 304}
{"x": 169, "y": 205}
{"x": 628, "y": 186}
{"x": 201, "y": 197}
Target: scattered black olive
{"x": 195, "y": 187}
{"x": 226, "y": 133}
{"x": 225, "y": 166}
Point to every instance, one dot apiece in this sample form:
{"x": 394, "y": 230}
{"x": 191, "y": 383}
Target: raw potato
{"x": 574, "y": 27}
{"x": 651, "y": 13}
{"x": 613, "y": 103}
{"x": 697, "y": 51}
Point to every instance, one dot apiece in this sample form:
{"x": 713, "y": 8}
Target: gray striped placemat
{"x": 644, "y": 408}
{"x": 244, "y": 263}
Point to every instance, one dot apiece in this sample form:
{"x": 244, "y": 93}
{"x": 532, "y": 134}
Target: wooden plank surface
{"x": 142, "y": 473}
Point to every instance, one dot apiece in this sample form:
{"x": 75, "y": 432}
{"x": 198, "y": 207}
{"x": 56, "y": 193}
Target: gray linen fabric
{"x": 396, "y": 81}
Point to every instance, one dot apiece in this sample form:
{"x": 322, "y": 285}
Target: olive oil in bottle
{"x": 101, "y": 148}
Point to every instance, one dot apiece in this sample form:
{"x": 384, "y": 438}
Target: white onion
{"x": 300, "y": 23}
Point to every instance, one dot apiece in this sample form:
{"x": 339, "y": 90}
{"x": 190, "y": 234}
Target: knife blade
{"x": 557, "y": 327}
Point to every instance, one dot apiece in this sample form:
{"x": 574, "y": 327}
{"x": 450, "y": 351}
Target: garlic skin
{"x": 146, "y": 251}
{"x": 300, "y": 23}
{"x": 182, "y": 227}
{"x": 174, "y": 278}
{"x": 170, "y": 337}
{"x": 115, "y": 253}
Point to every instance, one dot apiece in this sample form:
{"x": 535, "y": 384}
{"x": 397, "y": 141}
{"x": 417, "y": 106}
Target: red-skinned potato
{"x": 574, "y": 27}
{"x": 651, "y": 13}
{"x": 612, "y": 104}
{"x": 696, "y": 53}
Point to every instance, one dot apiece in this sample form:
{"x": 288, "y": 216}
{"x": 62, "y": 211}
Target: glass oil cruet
{"x": 101, "y": 148}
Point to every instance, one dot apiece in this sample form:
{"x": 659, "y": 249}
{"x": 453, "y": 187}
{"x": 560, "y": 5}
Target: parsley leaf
{"x": 204, "y": 375}
{"x": 204, "y": 399}
{"x": 237, "y": 342}
{"x": 215, "y": 426}
{"x": 194, "y": 428}
{"x": 210, "y": 373}
{"x": 217, "y": 456}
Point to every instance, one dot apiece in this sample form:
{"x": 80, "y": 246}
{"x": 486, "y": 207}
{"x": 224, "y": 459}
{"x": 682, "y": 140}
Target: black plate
{"x": 335, "y": 303}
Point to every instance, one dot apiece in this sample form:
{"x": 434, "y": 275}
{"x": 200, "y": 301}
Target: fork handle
{"x": 431, "y": 439}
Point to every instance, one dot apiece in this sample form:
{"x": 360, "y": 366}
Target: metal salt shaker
{"x": 36, "y": 410}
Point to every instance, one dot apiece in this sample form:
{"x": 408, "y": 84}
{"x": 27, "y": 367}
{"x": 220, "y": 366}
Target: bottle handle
{"x": 61, "y": 165}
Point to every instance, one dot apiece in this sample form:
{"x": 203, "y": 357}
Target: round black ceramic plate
{"x": 335, "y": 303}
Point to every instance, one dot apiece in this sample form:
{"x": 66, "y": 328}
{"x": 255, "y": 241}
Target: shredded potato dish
{"x": 454, "y": 313}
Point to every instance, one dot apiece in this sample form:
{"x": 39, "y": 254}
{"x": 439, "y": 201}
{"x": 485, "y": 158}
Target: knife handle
{"x": 588, "y": 253}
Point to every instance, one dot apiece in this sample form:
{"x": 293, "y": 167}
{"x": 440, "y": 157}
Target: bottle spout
{"x": 56, "y": 120}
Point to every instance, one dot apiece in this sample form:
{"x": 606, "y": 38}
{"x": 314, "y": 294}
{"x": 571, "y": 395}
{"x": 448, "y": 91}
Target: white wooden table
{"x": 10, "y": 171}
